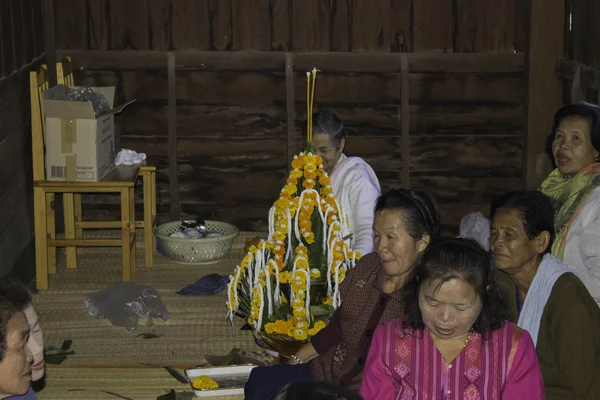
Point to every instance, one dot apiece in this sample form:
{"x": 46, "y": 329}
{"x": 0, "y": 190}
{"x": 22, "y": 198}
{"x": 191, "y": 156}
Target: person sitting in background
{"x": 547, "y": 299}
{"x": 315, "y": 391}
{"x": 454, "y": 341}
{"x": 575, "y": 186}
{"x": 15, "y": 354}
{"x": 371, "y": 294}
{"x": 354, "y": 183}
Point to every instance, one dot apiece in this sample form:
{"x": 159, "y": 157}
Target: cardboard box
{"x": 80, "y": 147}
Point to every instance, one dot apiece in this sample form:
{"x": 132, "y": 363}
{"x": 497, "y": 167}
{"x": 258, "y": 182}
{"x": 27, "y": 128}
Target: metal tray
{"x": 231, "y": 379}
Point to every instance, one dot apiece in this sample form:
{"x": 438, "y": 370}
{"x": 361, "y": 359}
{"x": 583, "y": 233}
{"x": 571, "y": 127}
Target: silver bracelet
{"x": 295, "y": 358}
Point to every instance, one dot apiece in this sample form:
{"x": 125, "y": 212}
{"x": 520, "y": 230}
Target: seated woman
{"x": 354, "y": 183}
{"x": 405, "y": 221}
{"x": 454, "y": 341}
{"x": 552, "y": 303}
{"x": 575, "y": 186}
{"x": 14, "y": 291}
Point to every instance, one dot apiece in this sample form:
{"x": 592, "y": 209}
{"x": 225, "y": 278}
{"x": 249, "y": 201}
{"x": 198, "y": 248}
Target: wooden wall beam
{"x": 405, "y": 120}
{"x": 588, "y": 76}
{"x": 545, "y": 89}
{"x": 50, "y": 44}
{"x": 290, "y": 109}
{"x": 367, "y": 62}
{"x": 174, "y": 209}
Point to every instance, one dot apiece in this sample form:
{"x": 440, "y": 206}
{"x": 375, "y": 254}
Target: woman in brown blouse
{"x": 405, "y": 222}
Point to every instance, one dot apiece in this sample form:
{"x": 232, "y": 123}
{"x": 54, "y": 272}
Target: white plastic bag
{"x": 477, "y": 227}
{"x": 124, "y": 303}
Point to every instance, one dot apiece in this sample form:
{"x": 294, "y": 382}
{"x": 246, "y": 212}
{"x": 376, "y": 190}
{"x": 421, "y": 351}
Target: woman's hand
{"x": 306, "y": 353}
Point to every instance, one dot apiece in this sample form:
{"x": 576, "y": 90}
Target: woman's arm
{"x": 326, "y": 338}
{"x": 589, "y": 246}
{"x": 377, "y": 380}
{"x": 573, "y": 342}
{"x": 524, "y": 380}
{"x": 363, "y": 195}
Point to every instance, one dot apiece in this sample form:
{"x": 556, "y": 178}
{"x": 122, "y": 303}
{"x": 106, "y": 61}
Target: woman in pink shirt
{"x": 454, "y": 341}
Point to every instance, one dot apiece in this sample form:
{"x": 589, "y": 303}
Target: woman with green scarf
{"x": 575, "y": 186}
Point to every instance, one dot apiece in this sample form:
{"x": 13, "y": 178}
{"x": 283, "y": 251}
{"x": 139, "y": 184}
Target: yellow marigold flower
{"x": 281, "y": 327}
{"x": 204, "y": 382}
{"x": 325, "y": 190}
{"x": 296, "y": 163}
{"x": 310, "y": 174}
{"x": 315, "y": 273}
{"x": 253, "y": 249}
{"x": 300, "y": 334}
{"x": 250, "y": 322}
{"x": 270, "y": 327}
{"x": 297, "y": 302}
{"x": 325, "y": 181}
{"x": 309, "y": 237}
{"x": 285, "y": 276}
{"x": 292, "y": 181}
{"x": 329, "y": 300}
{"x": 302, "y": 264}
{"x": 296, "y": 173}
{"x": 299, "y": 311}
{"x": 306, "y": 224}
{"x": 301, "y": 250}
{"x": 308, "y": 183}
{"x": 318, "y": 160}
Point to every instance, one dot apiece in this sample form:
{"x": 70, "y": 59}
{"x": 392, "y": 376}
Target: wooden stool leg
{"x": 78, "y": 218}
{"x": 125, "y": 235}
{"x": 69, "y": 210}
{"x": 153, "y": 209}
{"x": 132, "y": 231}
{"x": 148, "y": 226}
{"x": 41, "y": 240}
{"x": 51, "y": 230}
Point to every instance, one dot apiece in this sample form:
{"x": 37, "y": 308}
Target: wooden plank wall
{"x": 581, "y": 63}
{"x": 21, "y": 44}
{"x": 466, "y": 111}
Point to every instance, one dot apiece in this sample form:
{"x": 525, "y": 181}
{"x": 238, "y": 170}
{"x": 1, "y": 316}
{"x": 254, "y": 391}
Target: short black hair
{"x": 449, "y": 258}
{"x": 326, "y": 122}
{"x": 315, "y": 391}
{"x": 14, "y": 298}
{"x": 536, "y": 211}
{"x": 419, "y": 207}
{"x": 582, "y": 109}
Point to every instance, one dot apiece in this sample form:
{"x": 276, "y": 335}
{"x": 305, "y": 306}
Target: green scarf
{"x": 570, "y": 193}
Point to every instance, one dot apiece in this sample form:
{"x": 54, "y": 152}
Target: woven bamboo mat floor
{"x": 197, "y": 326}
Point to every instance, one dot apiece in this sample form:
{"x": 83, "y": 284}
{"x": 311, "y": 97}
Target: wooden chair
{"x": 44, "y": 191}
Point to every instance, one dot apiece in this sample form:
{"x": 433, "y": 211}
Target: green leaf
{"x": 321, "y": 310}
{"x": 150, "y": 335}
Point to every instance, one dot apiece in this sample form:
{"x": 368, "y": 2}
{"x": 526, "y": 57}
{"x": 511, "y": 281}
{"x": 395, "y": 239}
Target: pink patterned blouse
{"x": 410, "y": 367}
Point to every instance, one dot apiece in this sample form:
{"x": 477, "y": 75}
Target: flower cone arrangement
{"x": 287, "y": 286}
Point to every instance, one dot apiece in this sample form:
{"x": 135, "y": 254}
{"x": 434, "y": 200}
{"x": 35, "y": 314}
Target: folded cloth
{"x": 129, "y": 157}
{"x": 206, "y": 286}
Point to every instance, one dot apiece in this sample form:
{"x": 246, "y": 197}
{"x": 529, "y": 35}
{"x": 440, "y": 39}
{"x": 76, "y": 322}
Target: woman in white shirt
{"x": 355, "y": 185}
{"x": 575, "y": 186}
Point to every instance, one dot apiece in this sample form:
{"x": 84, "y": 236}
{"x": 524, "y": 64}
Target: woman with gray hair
{"x": 354, "y": 183}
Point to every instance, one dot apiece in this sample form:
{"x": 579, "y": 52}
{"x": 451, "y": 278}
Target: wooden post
{"x": 546, "y": 45}
{"x": 173, "y": 170}
{"x": 405, "y": 120}
{"x": 290, "y": 109}
{"x": 50, "y": 47}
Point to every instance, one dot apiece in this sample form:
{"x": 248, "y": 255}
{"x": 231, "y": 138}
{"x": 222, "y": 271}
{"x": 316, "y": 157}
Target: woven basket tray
{"x": 197, "y": 251}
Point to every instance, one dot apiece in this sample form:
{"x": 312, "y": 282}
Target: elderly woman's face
{"x": 35, "y": 343}
{"x": 327, "y": 151}
{"x": 449, "y": 309}
{"x": 572, "y": 145}
{"x": 509, "y": 242}
{"x": 397, "y": 250}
